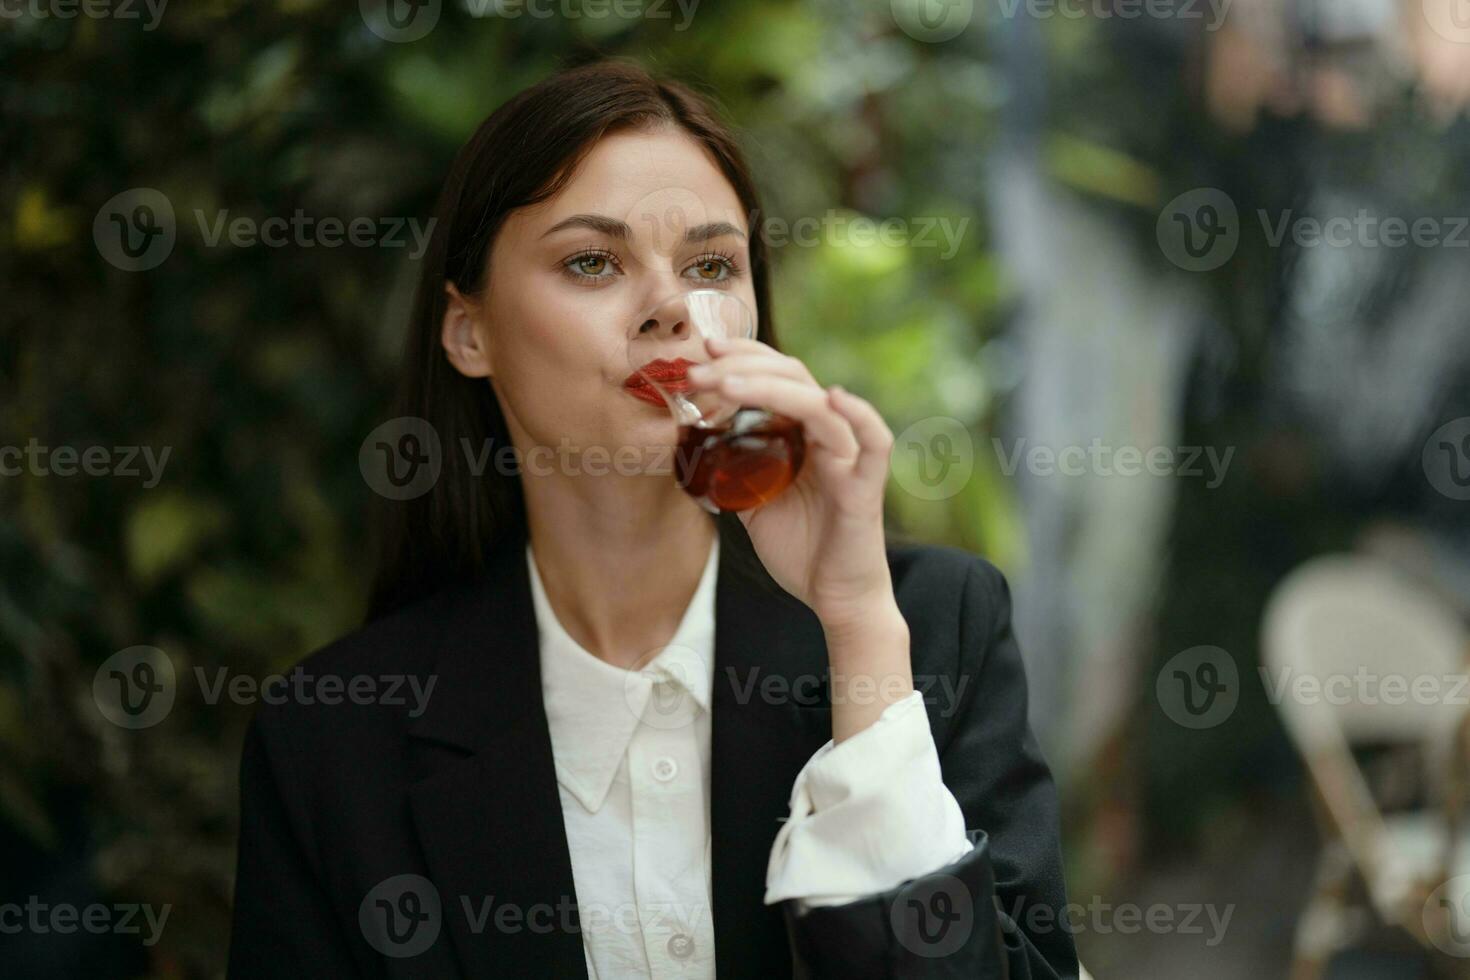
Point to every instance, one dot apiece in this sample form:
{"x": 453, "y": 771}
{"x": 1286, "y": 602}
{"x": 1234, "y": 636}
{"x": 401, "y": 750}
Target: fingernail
{"x": 734, "y": 382}
{"x": 697, "y": 372}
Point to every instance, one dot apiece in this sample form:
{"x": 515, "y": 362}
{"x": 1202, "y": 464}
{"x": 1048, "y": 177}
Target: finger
{"x": 723, "y": 347}
{"x": 740, "y": 345}
{"x": 707, "y": 374}
{"x": 807, "y": 404}
{"x": 874, "y": 437}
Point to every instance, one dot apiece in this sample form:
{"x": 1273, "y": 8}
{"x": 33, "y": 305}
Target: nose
{"x": 669, "y": 320}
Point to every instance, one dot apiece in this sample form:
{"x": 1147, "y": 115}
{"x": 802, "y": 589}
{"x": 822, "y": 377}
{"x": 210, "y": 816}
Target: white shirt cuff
{"x": 867, "y": 815}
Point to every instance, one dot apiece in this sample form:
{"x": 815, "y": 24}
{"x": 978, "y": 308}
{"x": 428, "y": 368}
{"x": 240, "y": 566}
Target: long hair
{"x": 522, "y": 154}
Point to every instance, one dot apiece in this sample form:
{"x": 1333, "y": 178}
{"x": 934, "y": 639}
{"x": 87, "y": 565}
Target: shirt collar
{"x": 594, "y": 708}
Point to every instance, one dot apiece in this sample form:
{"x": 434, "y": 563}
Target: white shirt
{"x": 632, "y": 751}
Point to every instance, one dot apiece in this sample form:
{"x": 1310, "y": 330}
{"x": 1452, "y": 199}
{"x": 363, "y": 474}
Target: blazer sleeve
{"x": 283, "y": 924}
{"x": 999, "y": 911}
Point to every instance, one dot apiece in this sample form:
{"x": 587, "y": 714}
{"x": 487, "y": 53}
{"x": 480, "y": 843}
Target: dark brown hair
{"x": 522, "y": 154}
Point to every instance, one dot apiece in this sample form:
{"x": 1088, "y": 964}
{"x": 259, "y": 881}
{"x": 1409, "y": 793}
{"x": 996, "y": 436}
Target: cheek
{"x": 557, "y": 357}
{"x": 545, "y": 330}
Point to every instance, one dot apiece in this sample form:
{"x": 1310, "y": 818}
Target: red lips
{"x": 668, "y": 373}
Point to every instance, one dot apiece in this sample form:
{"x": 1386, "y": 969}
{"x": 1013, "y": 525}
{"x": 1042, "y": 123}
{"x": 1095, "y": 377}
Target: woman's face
{"x": 645, "y": 216}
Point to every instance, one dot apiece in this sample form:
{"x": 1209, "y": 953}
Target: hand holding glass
{"x": 729, "y": 456}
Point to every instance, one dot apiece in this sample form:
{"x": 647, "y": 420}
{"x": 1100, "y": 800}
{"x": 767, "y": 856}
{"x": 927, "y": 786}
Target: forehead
{"x": 653, "y": 181}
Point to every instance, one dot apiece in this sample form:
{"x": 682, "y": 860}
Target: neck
{"x": 619, "y": 559}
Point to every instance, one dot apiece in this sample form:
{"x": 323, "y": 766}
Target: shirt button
{"x": 664, "y": 770}
{"x": 681, "y": 946}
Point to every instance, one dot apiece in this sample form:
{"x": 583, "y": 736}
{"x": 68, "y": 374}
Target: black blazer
{"x": 461, "y": 804}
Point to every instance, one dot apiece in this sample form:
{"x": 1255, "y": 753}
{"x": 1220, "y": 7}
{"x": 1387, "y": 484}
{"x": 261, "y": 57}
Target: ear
{"x": 463, "y": 335}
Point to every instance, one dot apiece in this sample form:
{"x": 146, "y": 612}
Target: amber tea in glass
{"x": 729, "y": 456}
{"x": 741, "y": 464}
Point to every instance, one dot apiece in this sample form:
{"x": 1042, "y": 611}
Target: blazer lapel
{"x": 769, "y": 650}
{"x": 487, "y": 811}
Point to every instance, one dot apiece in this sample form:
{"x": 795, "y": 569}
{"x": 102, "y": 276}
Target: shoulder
{"x": 962, "y": 589}
{"x": 360, "y": 687}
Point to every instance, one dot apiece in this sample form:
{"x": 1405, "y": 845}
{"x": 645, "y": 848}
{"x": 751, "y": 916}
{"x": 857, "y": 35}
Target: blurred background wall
{"x": 1118, "y": 360}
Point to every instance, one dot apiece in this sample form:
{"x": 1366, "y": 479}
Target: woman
{"x": 649, "y": 742}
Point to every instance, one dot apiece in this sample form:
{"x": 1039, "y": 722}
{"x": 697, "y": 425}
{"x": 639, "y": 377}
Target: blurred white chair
{"x": 1348, "y": 623}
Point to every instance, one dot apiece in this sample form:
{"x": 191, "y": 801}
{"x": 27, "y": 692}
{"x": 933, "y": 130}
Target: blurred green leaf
{"x": 166, "y": 530}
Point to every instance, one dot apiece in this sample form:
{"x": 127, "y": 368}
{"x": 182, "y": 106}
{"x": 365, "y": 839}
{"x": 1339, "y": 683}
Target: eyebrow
{"x": 614, "y": 228}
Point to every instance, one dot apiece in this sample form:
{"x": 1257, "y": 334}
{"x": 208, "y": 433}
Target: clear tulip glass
{"x": 730, "y": 456}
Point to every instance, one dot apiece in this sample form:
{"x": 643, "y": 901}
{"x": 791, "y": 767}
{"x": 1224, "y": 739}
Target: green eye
{"x": 590, "y": 265}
